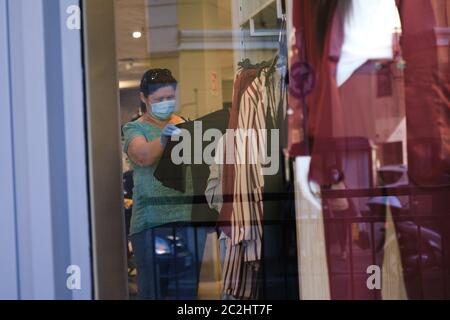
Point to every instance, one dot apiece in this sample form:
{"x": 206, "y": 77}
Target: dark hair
{"x": 155, "y": 79}
{"x": 325, "y": 10}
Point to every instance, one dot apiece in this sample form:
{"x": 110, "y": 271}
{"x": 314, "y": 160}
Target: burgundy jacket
{"x": 425, "y": 49}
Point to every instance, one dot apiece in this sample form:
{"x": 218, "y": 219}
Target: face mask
{"x": 163, "y": 110}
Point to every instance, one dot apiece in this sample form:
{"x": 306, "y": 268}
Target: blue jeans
{"x": 144, "y": 255}
{"x": 150, "y": 286}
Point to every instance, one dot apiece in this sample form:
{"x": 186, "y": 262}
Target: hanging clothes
{"x": 329, "y": 110}
{"x": 242, "y": 213}
{"x": 242, "y": 82}
{"x": 303, "y": 65}
{"x": 273, "y": 261}
{"x": 427, "y": 89}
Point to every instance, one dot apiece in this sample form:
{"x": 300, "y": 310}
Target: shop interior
{"x": 225, "y": 149}
{"x": 206, "y": 45}
{"x": 202, "y": 44}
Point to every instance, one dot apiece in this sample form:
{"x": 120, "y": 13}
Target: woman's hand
{"x": 169, "y": 131}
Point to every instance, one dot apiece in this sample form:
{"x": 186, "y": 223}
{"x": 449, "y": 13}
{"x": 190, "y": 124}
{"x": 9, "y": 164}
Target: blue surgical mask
{"x": 163, "y": 110}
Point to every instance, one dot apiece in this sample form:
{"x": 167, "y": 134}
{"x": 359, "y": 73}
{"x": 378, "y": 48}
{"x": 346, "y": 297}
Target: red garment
{"x": 243, "y": 80}
{"x": 303, "y": 63}
{"x": 427, "y": 88}
{"x": 427, "y": 107}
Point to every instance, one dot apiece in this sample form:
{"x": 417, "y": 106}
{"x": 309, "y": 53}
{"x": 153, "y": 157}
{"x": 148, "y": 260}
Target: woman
{"x": 153, "y": 204}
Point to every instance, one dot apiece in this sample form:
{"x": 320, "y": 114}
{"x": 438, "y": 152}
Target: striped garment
{"x": 248, "y": 143}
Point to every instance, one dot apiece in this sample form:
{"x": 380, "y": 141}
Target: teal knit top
{"x": 153, "y": 204}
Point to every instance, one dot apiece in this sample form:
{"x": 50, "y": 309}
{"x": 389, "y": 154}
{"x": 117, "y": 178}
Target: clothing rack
{"x": 246, "y": 64}
{"x": 261, "y": 25}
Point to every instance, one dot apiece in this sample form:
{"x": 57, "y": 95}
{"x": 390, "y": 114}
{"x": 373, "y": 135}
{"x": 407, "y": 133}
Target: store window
{"x": 285, "y": 149}
{"x": 269, "y": 149}
{"x": 186, "y": 68}
{"x": 370, "y": 86}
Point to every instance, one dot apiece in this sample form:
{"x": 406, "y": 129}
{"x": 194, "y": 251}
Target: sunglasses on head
{"x": 162, "y": 72}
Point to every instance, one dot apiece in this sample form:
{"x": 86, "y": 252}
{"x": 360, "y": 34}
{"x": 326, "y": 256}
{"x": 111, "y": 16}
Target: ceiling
{"x": 131, "y": 53}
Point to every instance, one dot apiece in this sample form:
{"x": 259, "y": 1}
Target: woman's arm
{"x": 145, "y": 153}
